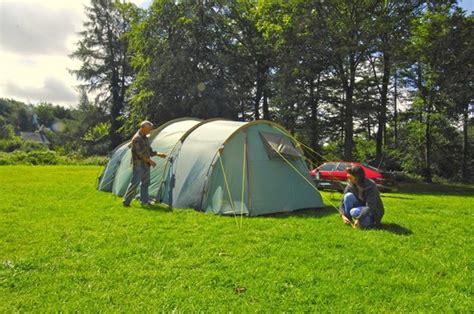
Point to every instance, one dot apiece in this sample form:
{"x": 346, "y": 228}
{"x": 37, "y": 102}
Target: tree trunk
{"x": 369, "y": 127}
{"x": 465, "y": 148}
{"x": 369, "y": 122}
{"x": 117, "y": 104}
{"x": 349, "y": 114}
{"x": 428, "y": 175}
{"x": 314, "y": 102}
{"x": 383, "y": 109}
{"x": 258, "y": 96}
{"x": 427, "y": 102}
{"x": 266, "y": 113}
{"x": 114, "y": 135}
{"x": 261, "y": 73}
{"x": 395, "y": 111}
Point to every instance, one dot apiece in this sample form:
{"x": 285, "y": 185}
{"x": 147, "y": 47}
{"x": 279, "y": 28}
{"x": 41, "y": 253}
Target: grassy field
{"x": 66, "y": 247}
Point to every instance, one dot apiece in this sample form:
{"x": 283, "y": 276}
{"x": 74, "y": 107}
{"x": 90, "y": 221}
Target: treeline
{"x": 76, "y": 132}
{"x": 382, "y": 81}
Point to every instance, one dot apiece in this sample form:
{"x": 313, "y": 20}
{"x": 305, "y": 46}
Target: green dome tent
{"x": 225, "y": 167}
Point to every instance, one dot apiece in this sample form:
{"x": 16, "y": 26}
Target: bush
{"x": 9, "y": 145}
{"x": 29, "y": 146}
{"x": 16, "y": 143}
{"x": 37, "y": 157}
{"x": 42, "y": 157}
{"x": 48, "y": 157}
{"x": 86, "y": 161}
{"x": 401, "y": 176}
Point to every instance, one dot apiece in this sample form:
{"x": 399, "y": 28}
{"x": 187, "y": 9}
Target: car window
{"x": 342, "y": 166}
{"x": 327, "y": 167}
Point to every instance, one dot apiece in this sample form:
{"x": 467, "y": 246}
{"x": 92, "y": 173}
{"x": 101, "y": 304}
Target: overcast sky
{"x": 36, "y": 37}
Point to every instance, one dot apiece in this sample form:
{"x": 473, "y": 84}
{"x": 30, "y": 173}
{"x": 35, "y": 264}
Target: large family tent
{"x": 220, "y": 166}
{"x": 118, "y": 172}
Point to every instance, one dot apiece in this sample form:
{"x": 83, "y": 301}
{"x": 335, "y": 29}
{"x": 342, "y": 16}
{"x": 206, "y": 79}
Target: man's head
{"x": 146, "y": 127}
{"x": 355, "y": 175}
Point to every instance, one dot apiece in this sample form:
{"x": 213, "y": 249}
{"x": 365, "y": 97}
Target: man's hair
{"x": 358, "y": 173}
{"x": 146, "y": 123}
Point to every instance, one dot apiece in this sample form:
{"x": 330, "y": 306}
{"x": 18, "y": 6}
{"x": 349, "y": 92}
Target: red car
{"x": 332, "y": 174}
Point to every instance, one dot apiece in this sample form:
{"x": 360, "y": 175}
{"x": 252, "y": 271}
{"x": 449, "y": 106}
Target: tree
{"x": 457, "y": 75}
{"x": 300, "y": 70}
{"x": 179, "y": 72}
{"x": 442, "y": 50}
{"x": 105, "y": 63}
{"x": 349, "y": 27}
{"x": 393, "y": 19}
{"x": 6, "y": 130}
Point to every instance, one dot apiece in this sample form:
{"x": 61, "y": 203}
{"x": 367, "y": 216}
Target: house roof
{"x": 35, "y": 137}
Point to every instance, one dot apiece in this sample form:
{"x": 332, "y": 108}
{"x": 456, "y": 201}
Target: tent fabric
{"x": 270, "y": 185}
{"x": 191, "y": 162}
{"x": 225, "y": 167}
{"x": 163, "y": 140}
{"x": 108, "y": 176}
{"x": 277, "y": 144}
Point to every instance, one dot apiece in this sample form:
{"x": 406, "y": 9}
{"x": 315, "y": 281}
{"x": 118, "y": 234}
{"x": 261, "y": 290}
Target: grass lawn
{"x": 66, "y": 247}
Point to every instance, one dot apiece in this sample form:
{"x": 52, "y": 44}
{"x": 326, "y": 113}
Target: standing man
{"x": 141, "y": 160}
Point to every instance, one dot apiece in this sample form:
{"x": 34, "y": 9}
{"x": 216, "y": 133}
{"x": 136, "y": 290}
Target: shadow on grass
{"x": 394, "y": 228}
{"x": 436, "y": 189}
{"x": 397, "y": 197}
{"x": 158, "y": 208}
{"x": 305, "y": 213}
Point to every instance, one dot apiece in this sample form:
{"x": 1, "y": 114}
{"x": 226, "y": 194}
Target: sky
{"x": 36, "y": 39}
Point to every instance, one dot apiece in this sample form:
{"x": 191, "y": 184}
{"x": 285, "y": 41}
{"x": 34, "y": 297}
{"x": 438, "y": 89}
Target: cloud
{"x": 36, "y": 37}
{"x": 53, "y": 90}
{"x": 27, "y": 28}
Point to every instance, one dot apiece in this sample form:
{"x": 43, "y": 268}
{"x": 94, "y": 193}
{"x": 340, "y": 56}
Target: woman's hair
{"x": 358, "y": 173}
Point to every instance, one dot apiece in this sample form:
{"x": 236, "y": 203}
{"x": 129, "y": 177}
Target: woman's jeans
{"x": 141, "y": 173}
{"x": 353, "y": 209}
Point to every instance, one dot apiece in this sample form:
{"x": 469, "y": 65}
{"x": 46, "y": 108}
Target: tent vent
{"x": 277, "y": 144}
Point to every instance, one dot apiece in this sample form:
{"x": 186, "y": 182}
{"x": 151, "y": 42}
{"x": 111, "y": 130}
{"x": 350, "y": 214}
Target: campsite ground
{"x": 66, "y": 247}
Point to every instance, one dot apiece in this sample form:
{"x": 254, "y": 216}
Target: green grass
{"x": 66, "y": 247}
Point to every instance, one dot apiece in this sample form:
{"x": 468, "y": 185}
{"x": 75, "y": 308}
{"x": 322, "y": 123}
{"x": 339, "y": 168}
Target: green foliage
{"x": 180, "y": 54}
{"x": 333, "y": 151}
{"x": 97, "y": 133}
{"x": 30, "y": 146}
{"x": 325, "y": 70}
{"x": 364, "y": 149}
{"x": 48, "y": 157}
{"x": 17, "y": 143}
{"x": 10, "y": 145}
{"x": 16, "y": 114}
{"x": 102, "y": 49}
{"x": 34, "y": 157}
{"x": 66, "y": 247}
{"x": 7, "y": 131}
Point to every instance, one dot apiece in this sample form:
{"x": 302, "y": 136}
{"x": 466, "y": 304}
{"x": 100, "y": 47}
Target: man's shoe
{"x": 125, "y": 205}
{"x": 149, "y": 203}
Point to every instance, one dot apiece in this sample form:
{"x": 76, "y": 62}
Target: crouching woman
{"x": 361, "y": 201}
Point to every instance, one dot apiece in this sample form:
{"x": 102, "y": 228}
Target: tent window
{"x": 277, "y": 144}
